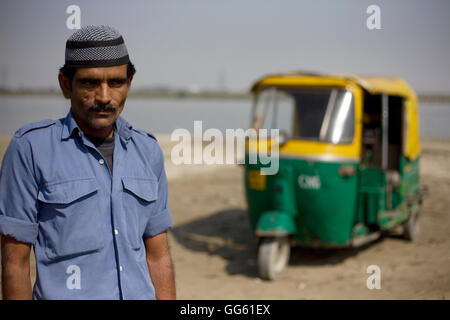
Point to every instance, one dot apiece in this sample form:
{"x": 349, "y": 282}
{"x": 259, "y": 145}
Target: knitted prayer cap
{"x": 96, "y": 46}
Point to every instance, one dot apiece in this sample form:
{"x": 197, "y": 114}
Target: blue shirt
{"x": 86, "y": 224}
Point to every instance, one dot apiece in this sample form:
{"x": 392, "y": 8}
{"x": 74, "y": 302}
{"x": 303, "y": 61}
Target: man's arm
{"x": 16, "y": 281}
{"x": 160, "y": 266}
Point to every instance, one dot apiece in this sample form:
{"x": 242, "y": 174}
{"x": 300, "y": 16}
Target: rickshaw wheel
{"x": 411, "y": 227}
{"x": 273, "y": 256}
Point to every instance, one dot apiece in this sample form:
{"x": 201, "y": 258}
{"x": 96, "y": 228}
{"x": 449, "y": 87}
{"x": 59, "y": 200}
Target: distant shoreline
{"x": 180, "y": 94}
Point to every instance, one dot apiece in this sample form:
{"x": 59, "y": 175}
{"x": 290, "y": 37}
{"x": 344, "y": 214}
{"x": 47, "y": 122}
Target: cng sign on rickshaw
{"x": 309, "y": 182}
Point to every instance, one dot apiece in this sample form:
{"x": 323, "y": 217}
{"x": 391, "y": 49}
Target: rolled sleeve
{"x": 159, "y": 223}
{"x": 161, "y": 219}
{"x": 18, "y": 193}
{"x": 20, "y": 230}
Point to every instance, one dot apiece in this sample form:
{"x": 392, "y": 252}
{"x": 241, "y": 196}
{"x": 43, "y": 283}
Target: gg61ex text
{"x": 238, "y": 309}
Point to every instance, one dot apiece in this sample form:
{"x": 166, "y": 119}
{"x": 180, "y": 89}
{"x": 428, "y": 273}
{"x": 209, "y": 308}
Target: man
{"x": 88, "y": 191}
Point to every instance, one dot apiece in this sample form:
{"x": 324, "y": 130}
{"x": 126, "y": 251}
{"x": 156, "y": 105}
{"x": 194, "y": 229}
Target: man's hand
{"x": 160, "y": 266}
{"x": 16, "y": 281}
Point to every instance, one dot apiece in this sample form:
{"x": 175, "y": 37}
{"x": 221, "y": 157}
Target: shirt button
{"x": 116, "y": 232}
{"x": 101, "y": 161}
{"x": 120, "y": 268}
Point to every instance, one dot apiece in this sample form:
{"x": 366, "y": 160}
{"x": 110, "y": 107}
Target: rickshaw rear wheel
{"x": 411, "y": 227}
{"x": 273, "y": 256}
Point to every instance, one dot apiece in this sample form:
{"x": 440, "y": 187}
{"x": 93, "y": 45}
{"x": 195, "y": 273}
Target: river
{"x": 162, "y": 116}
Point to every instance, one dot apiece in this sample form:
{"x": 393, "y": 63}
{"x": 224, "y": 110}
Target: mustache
{"x": 102, "y": 107}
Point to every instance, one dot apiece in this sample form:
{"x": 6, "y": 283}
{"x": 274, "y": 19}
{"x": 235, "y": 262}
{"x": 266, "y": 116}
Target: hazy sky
{"x": 209, "y": 43}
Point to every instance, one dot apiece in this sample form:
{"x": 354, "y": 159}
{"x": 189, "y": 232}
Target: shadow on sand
{"x": 227, "y": 233}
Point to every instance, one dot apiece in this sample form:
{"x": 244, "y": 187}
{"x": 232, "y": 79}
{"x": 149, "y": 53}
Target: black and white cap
{"x": 96, "y": 46}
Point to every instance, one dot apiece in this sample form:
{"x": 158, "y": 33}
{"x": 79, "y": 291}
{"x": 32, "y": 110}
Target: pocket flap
{"x": 144, "y": 188}
{"x": 65, "y": 192}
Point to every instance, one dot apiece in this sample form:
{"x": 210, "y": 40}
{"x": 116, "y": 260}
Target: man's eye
{"x": 116, "y": 83}
{"x": 88, "y": 82}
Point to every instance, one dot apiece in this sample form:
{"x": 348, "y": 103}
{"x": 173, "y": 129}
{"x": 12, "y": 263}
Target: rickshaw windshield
{"x": 325, "y": 115}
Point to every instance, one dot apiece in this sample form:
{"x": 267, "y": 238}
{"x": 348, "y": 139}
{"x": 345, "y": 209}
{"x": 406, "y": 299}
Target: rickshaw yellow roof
{"x": 372, "y": 84}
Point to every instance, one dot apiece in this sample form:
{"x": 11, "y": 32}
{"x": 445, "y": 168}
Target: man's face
{"x": 98, "y": 97}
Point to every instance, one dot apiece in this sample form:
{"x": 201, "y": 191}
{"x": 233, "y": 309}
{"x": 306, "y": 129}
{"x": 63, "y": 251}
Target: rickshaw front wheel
{"x": 273, "y": 256}
{"x": 411, "y": 227}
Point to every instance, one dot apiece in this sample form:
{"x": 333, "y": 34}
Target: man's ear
{"x": 129, "y": 84}
{"x": 66, "y": 85}
{"x": 129, "y": 81}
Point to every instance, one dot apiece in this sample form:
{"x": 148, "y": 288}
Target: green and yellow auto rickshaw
{"x": 348, "y": 152}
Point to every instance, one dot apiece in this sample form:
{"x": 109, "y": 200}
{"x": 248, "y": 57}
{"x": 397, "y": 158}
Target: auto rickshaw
{"x": 348, "y": 152}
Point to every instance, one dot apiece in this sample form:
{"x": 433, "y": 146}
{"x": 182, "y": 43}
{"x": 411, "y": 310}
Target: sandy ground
{"x": 214, "y": 250}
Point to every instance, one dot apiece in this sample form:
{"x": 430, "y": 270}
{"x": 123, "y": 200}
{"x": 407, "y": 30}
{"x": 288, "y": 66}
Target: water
{"x": 165, "y": 115}
{"x": 435, "y": 120}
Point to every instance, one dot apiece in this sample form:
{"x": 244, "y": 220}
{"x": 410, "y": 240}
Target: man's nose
{"x": 103, "y": 94}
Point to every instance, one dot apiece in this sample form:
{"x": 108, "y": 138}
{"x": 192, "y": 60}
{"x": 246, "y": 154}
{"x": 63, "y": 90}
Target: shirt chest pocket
{"x": 70, "y": 218}
{"x": 138, "y": 199}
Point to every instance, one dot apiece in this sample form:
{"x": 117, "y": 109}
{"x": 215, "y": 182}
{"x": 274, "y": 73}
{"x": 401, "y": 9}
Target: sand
{"x": 214, "y": 249}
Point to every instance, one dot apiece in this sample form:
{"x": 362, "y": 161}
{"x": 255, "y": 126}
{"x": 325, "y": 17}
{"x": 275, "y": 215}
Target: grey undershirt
{"x": 106, "y": 148}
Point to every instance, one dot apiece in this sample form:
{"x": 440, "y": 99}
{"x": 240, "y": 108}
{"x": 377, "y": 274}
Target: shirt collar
{"x": 121, "y": 126}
